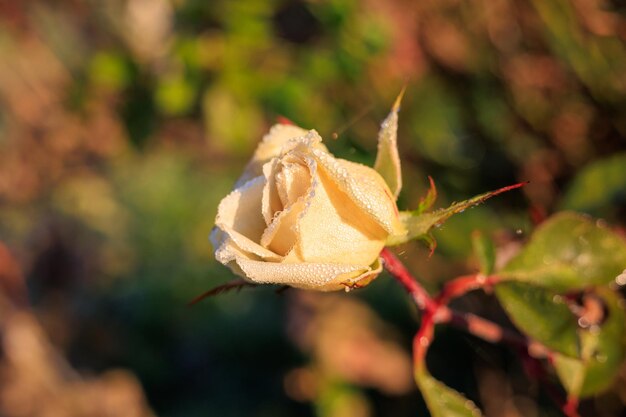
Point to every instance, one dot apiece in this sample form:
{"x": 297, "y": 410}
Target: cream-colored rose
{"x": 301, "y": 217}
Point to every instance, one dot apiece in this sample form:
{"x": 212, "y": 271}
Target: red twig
{"x": 435, "y": 310}
{"x": 491, "y": 332}
{"x": 235, "y": 285}
{"x": 403, "y": 276}
{"x": 461, "y": 285}
{"x": 422, "y": 340}
{"x": 570, "y": 408}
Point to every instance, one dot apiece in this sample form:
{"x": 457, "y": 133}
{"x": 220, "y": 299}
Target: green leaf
{"x": 420, "y": 224}
{"x": 541, "y": 314}
{"x": 443, "y": 401}
{"x": 597, "y": 187}
{"x": 484, "y": 251}
{"x": 569, "y": 252}
{"x": 602, "y": 353}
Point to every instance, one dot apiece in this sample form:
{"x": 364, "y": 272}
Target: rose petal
{"x": 270, "y": 147}
{"x": 332, "y": 228}
{"x": 241, "y": 210}
{"x": 280, "y": 236}
{"x": 270, "y": 201}
{"x": 365, "y": 278}
{"x": 273, "y": 142}
{"x": 231, "y": 237}
{"x": 365, "y": 187}
{"x": 318, "y": 276}
{"x": 293, "y": 181}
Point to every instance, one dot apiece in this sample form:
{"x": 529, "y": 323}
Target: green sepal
{"x": 418, "y": 224}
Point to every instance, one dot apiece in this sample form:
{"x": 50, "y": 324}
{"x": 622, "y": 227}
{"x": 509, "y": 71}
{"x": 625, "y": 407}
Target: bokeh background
{"x": 124, "y": 122}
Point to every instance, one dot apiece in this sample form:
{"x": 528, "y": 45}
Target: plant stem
{"x": 435, "y": 310}
{"x": 463, "y": 284}
{"x": 570, "y": 408}
{"x": 397, "y": 269}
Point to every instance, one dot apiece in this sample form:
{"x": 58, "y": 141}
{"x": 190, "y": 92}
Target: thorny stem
{"x": 435, "y": 310}
{"x": 571, "y": 407}
{"x": 461, "y": 285}
{"x": 422, "y": 340}
{"x": 403, "y": 276}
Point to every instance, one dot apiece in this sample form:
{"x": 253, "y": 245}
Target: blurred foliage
{"x": 123, "y": 123}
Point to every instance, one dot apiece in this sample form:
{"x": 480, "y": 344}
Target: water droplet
{"x": 424, "y": 341}
{"x": 347, "y": 289}
{"x": 601, "y": 223}
{"x": 583, "y": 322}
{"x": 519, "y": 232}
{"x": 621, "y": 279}
{"x": 601, "y": 358}
{"x": 557, "y": 299}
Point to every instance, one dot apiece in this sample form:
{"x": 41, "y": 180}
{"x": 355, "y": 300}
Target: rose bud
{"x": 301, "y": 217}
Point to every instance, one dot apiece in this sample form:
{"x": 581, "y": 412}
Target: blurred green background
{"x": 124, "y": 122}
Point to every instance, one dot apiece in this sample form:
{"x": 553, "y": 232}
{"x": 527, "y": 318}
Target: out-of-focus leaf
{"x": 338, "y": 398}
{"x": 484, "y": 251}
{"x": 436, "y": 124}
{"x": 233, "y": 122}
{"x": 586, "y": 55}
{"x": 419, "y": 225}
{"x": 387, "y": 159}
{"x": 443, "y": 401}
{"x": 110, "y": 70}
{"x": 600, "y": 185}
{"x": 174, "y": 95}
{"x": 139, "y": 115}
{"x": 568, "y": 252}
{"x": 541, "y": 314}
{"x": 602, "y": 353}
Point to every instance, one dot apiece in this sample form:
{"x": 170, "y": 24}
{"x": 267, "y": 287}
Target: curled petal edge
{"x": 310, "y": 276}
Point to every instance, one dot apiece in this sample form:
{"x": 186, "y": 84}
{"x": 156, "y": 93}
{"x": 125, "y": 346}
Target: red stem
{"x": 461, "y": 285}
{"x": 422, "y": 340}
{"x": 436, "y": 310}
{"x": 396, "y": 268}
{"x": 570, "y": 408}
